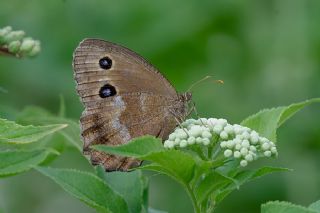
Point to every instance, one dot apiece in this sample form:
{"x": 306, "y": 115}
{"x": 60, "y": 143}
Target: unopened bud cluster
{"x": 16, "y": 43}
{"x": 235, "y": 141}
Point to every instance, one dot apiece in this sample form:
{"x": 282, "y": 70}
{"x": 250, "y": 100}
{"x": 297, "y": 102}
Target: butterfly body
{"x": 124, "y": 97}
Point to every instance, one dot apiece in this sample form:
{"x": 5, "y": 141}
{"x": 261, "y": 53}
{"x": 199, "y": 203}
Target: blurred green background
{"x": 267, "y": 52}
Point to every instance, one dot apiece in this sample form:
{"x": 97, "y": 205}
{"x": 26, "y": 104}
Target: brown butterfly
{"x": 124, "y": 97}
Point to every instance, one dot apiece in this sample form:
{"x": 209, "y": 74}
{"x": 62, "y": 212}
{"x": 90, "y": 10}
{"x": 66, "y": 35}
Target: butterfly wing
{"x": 123, "y": 100}
{"x": 129, "y": 73}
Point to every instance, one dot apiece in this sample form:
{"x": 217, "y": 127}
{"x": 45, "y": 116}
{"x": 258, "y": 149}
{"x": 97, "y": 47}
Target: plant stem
{"x": 5, "y": 51}
{"x": 193, "y": 199}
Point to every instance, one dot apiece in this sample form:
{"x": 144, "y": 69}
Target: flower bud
{"x": 224, "y": 135}
{"x": 267, "y": 153}
{"x": 243, "y": 163}
{"x": 183, "y": 143}
{"x": 14, "y": 46}
{"x": 248, "y": 157}
{"x": 172, "y": 136}
{"x": 265, "y": 146}
{"x": 223, "y": 144}
{"x": 263, "y": 140}
{"x": 198, "y": 140}
{"x": 230, "y": 144}
{"x": 274, "y": 150}
{"x": 205, "y": 141}
{"x": 27, "y": 45}
{"x": 176, "y": 141}
{"x": 245, "y": 135}
{"x": 3, "y": 32}
{"x": 191, "y": 140}
{"x": 212, "y": 121}
{"x": 245, "y": 143}
{"x": 229, "y": 129}
{"x": 253, "y": 148}
{"x": 195, "y": 131}
{"x": 227, "y": 153}
{"x": 238, "y": 146}
{"x": 222, "y": 122}
{"x": 168, "y": 144}
{"x": 206, "y": 134}
{"x": 237, "y": 154}
{"x": 244, "y": 151}
{"x": 217, "y": 128}
{"x": 14, "y": 36}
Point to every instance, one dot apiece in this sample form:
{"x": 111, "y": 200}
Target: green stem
{"x": 193, "y": 199}
{"x": 5, "y": 51}
{"x": 197, "y": 149}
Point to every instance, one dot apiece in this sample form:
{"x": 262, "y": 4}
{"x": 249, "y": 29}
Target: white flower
{"x": 168, "y": 144}
{"x": 183, "y": 143}
{"x": 217, "y": 128}
{"x": 237, "y": 154}
{"x": 236, "y": 141}
{"x": 227, "y": 153}
{"x": 205, "y": 141}
{"x": 206, "y": 134}
{"x": 176, "y": 141}
{"x": 243, "y": 163}
{"x": 244, "y": 151}
{"x": 265, "y": 146}
{"x": 224, "y": 135}
{"x": 267, "y": 153}
{"x": 172, "y": 136}
{"x": 274, "y": 150}
{"x": 223, "y": 144}
{"x": 229, "y": 129}
{"x": 191, "y": 140}
{"x": 198, "y": 140}
{"x": 249, "y": 157}
{"x": 245, "y": 143}
{"x": 230, "y": 144}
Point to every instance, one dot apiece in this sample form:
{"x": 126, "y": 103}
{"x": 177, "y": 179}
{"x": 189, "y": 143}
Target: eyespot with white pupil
{"x": 107, "y": 91}
{"x": 105, "y": 63}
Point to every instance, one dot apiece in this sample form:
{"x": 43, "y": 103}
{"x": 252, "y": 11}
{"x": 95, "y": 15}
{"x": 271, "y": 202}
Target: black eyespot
{"x": 105, "y": 63}
{"x": 107, "y": 91}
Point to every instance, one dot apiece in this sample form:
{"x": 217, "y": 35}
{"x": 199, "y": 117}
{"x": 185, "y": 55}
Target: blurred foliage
{"x": 267, "y": 53}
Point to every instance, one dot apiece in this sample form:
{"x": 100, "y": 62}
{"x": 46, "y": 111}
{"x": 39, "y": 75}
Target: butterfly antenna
{"x": 204, "y": 79}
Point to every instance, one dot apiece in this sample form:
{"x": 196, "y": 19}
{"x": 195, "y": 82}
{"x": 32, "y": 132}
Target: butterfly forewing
{"x": 129, "y": 72}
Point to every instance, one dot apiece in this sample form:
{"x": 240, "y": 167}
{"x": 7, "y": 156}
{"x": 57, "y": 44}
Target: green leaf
{"x": 267, "y": 121}
{"x": 10, "y": 132}
{"x": 135, "y": 148}
{"x": 17, "y": 161}
{"x": 39, "y": 116}
{"x": 246, "y": 176}
{"x": 284, "y": 207}
{"x": 130, "y": 185}
{"x": 174, "y": 163}
{"x": 62, "y": 109}
{"x": 88, "y": 188}
{"x": 315, "y": 206}
{"x": 210, "y": 183}
{"x": 152, "y": 210}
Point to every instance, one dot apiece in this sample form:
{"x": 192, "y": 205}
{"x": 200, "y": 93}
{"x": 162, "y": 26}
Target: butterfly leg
{"x": 193, "y": 108}
{"x": 178, "y": 122}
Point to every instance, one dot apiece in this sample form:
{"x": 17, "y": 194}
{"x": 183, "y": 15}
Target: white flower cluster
{"x": 16, "y": 43}
{"x": 235, "y": 140}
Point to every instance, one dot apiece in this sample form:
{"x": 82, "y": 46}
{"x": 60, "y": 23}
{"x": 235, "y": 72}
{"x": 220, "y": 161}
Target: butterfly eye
{"x": 105, "y": 63}
{"x": 107, "y": 91}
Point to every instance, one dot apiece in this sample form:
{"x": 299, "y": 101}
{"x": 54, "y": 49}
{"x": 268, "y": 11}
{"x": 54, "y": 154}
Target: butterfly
{"x": 124, "y": 97}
